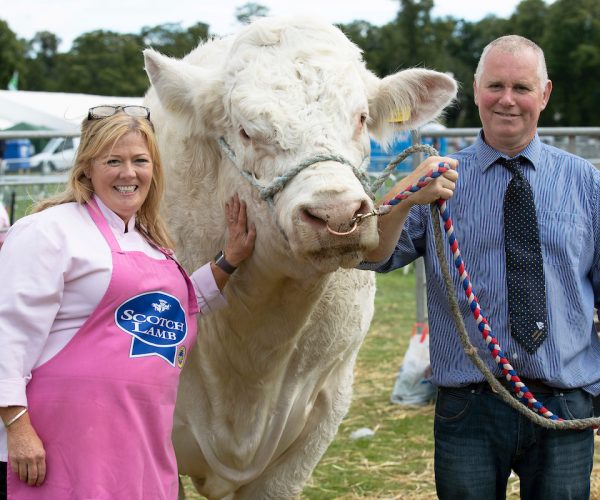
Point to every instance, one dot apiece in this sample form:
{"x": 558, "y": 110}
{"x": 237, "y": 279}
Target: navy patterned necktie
{"x": 524, "y": 264}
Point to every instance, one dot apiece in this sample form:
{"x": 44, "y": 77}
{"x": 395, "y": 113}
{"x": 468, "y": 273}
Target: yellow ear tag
{"x": 401, "y": 116}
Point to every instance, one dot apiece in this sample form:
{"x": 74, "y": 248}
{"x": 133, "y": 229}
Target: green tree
{"x": 529, "y": 20}
{"x": 171, "y": 39}
{"x": 12, "y": 55}
{"x": 105, "y": 63}
{"x": 572, "y": 46}
{"x": 44, "y": 45}
{"x": 413, "y": 39}
{"x": 368, "y": 38}
{"x": 466, "y": 45}
{"x": 42, "y": 59}
{"x": 415, "y": 26}
{"x": 250, "y": 11}
{"x": 198, "y": 32}
{"x": 407, "y": 41}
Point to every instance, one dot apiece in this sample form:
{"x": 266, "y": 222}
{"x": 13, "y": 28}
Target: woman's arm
{"x": 31, "y": 266}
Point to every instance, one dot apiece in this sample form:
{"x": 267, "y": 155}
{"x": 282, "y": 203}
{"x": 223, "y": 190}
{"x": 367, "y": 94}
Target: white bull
{"x": 270, "y": 379}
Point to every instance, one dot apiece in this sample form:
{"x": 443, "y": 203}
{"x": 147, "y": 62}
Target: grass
{"x": 26, "y": 196}
{"x": 378, "y": 467}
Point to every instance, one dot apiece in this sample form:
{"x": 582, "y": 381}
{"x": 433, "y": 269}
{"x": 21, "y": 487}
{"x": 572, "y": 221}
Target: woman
{"x": 97, "y": 321}
{"x": 4, "y": 223}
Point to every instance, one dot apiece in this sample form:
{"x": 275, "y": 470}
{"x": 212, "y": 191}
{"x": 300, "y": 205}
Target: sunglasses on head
{"x": 99, "y": 112}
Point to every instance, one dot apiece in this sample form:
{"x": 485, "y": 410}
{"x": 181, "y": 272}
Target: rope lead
{"x": 528, "y": 405}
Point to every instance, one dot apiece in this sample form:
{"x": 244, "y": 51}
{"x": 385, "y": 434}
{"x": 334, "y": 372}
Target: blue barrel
{"x": 17, "y": 153}
{"x": 380, "y": 158}
{"x": 402, "y": 140}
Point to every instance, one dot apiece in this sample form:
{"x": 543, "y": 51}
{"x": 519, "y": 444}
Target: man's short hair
{"x": 513, "y": 44}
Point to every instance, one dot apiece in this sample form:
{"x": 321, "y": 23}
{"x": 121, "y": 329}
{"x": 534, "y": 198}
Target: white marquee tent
{"x": 52, "y": 110}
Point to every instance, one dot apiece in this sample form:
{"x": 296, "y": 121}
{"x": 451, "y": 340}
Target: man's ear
{"x": 546, "y": 94}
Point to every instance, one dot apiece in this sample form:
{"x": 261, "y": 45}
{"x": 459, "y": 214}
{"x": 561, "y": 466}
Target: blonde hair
{"x": 96, "y": 135}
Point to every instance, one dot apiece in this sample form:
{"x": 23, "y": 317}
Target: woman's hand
{"x": 26, "y": 453}
{"x": 240, "y": 242}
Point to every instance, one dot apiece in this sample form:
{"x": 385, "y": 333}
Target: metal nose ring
{"x": 344, "y": 233}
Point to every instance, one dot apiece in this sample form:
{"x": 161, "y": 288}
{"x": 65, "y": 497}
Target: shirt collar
{"x": 113, "y": 219}
{"x": 487, "y": 155}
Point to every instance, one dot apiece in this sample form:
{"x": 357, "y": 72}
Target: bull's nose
{"x": 336, "y": 219}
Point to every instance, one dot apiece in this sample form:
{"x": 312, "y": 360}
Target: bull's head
{"x": 293, "y": 106}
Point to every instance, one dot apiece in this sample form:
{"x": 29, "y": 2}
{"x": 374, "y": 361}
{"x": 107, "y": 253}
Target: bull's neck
{"x": 259, "y": 293}
{"x": 266, "y": 315}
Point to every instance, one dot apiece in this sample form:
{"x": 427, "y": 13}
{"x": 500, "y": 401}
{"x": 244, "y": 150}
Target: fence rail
{"x": 584, "y": 141}
{"x": 448, "y": 132}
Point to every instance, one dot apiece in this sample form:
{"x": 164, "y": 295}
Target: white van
{"x": 58, "y": 155}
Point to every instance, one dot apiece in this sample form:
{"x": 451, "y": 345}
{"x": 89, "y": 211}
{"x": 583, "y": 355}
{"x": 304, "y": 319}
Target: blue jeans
{"x": 479, "y": 439}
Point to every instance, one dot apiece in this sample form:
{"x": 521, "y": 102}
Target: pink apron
{"x": 103, "y": 406}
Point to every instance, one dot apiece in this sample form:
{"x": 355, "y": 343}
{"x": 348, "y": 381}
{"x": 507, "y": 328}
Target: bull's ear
{"x": 184, "y": 88}
{"x": 416, "y": 95}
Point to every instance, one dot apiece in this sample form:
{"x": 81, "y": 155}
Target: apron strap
{"x": 98, "y": 218}
{"x": 100, "y": 221}
{"x": 192, "y": 299}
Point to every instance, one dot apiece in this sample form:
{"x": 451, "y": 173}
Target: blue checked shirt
{"x": 567, "y": 194}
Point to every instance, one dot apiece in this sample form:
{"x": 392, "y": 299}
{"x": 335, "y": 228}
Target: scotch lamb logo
{"x": 157, "y": 323}
{"x": 161, "y": 306}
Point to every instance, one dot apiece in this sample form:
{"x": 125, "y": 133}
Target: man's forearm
{"x": 390, "y": 227}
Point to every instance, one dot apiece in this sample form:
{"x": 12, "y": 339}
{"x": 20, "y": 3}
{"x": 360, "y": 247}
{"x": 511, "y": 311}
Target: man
{"x": 539, "y": 296}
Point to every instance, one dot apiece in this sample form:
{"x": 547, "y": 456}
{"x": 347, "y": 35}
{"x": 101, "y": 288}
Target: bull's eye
{"x": 244, "y": 135}
{"x": 363, "y": 118}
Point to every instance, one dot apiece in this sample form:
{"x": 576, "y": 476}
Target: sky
{"x": 70, "y": 18}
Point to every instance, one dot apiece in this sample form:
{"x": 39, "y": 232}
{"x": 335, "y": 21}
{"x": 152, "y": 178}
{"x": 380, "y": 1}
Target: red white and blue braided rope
{"x": 518, "y": 387}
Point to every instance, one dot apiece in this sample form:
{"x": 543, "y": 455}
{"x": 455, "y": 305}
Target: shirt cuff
{"x": 207, "y": 292}
{"x": 12, "y": 392}
{"x": 370, "y": 266}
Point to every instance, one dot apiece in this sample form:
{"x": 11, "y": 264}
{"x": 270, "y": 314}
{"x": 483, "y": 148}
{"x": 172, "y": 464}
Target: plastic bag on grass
{"x": 412, "y": 386}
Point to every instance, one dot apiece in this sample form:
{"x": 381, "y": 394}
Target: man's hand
{"x": 390, "y": 226}
{"x": 440, "y": 187}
